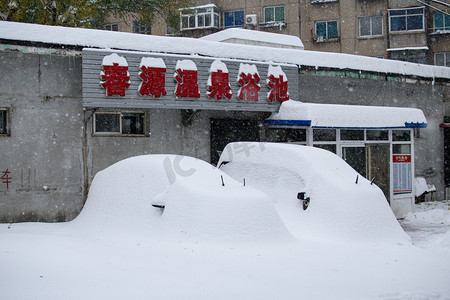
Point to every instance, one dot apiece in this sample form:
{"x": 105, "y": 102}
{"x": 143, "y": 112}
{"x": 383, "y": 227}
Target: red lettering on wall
{"x": 116, "y": 79}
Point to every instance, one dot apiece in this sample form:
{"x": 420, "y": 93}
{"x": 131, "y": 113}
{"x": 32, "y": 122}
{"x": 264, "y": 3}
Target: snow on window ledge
{"x": 321, "y": 39}
{"x": 437, "y": 32}
{"x": 272, "y": 24}
{"x": 322, "y": 1}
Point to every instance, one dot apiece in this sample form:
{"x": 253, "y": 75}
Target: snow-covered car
{"x": 342, "y": 204}
{"x": 173, "y": 195}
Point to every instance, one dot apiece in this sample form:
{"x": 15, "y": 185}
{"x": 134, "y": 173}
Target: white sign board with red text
{"x": 402, "y": 173}
{"x": 125, "y": 79}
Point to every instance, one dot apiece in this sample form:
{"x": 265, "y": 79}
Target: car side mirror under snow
{"x": 301, "y": 196}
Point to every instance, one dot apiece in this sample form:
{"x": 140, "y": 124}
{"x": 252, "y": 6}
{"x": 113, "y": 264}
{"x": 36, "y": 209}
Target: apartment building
{"x": 409, "y": 30}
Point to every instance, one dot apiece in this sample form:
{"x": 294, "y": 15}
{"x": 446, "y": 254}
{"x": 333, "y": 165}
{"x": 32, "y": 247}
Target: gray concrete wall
{"x": 429, "y": 98}
{"x": 169, "y": 133}
{"x": 43, "y": 152}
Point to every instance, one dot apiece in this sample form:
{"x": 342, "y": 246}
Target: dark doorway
{"x": 224, "y": 131}
{"x": 378, "y": 168}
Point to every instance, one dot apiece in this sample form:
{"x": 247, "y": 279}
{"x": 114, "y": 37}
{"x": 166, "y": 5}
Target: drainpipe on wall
{"x": 388, "y": 36}
{"x": 300, "y": 19}
{"x": 85, "y": 157}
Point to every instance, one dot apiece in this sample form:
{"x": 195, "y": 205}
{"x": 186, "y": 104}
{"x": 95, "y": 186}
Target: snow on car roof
{"x": 346, "y": 116}
{"x": 13, "y": 31}
{"x": 343, "y": 204}
{"x": 199, "y": 201}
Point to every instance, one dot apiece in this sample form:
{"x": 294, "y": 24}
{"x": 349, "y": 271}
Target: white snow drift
{"x": 343, "y": 204}
{"x": 120, "y": 247}
{"x": 201, "y": 202}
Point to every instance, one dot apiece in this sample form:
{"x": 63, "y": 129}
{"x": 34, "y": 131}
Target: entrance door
{"x": 372, "y": 162}
{"x": 355, "y": 156}
{"x": 378, "y": 167}
{"x": 224, "y": 131}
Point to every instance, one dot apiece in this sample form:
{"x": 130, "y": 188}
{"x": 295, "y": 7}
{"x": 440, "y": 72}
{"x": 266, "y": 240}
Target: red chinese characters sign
{"x": 130, "y": 79}
{"x": 186, "y": 76}
{"x": 248, "y": 80}
{"x": 115, "y": 75}
{"x": 277, "y": 82}
{"x": 152, "y": 72}
{"x": 218, "y": 82}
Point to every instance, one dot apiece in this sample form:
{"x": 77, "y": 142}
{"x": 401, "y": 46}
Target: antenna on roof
{"x": 357, "y": 176}
{"x": 223, "y": 183}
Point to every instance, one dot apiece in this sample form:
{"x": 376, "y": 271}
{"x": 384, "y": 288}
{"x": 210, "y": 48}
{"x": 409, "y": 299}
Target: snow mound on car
{"x": 210, "y": 204}
{"x": 339, "y": 207}
{"x": 121, "y": 195}
{"x": 197, "y": 204}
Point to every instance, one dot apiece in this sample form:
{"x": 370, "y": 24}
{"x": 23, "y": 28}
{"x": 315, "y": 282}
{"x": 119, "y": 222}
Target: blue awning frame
{"x": 307, "y": 123}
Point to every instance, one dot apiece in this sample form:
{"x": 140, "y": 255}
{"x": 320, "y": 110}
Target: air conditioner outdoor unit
{"x": 250, "y": 20}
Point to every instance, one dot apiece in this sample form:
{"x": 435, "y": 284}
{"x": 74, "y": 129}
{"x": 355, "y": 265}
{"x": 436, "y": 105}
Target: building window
{"x": 324, "y": 135}
{"x": 442, "y": 59}
{"x": 371, "y": 26}
{"x": 233, "y": 18}
{"x": 286, "y": 135}
{"x": 119, "y": 123}
{"x": 441, "y": 22}
{"x": 377, "y": 135}
{"x": 326, "y": 30}
{"x": 407, "y": 19}
{"x": 138, "y": 27}
{"x": 273, "y": 14}
{"x": 111, "y": 27}
{"x": 200, "y": 17}
{"x": 4, "y": 121}
{"x": 401, "y": 135}
{"x": 352, "y": 135}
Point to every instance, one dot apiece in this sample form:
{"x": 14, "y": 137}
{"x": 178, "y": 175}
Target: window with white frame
{"x": 138, "y": 27}
{"x": 370, "y": 26}
{"x": 234, "y": 18}
{"x": 111, "y": 27}
{"x": 4, "y": 121}
{"x": 119, "y": 123}
{"x": 326, "y": 30}
{"x": 200, "y": 17}
{"x": 273, "y": 14}
{"x": 442, "y": 59}
{"x": 441, "y": 22}
{"x": 406, "y": 19}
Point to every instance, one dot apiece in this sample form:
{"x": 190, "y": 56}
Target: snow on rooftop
{"x": 240, "y": 34}
{"x": 347, "y": 116}
{"x": 210, "y": 5}
{"x": 138, "y": 42}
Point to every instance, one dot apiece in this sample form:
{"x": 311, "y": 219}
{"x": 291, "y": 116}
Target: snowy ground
{"x": 227, "y": 240}
{"x": 429, "y": 225}
{"x": 69, "y": 261}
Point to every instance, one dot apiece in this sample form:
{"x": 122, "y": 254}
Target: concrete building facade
{"x": 406, "y": 30}
{"x": 52, "y": 146}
